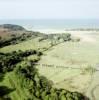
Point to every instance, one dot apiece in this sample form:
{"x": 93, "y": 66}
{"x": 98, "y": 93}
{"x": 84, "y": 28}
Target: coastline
{"x": 84, "y": 35}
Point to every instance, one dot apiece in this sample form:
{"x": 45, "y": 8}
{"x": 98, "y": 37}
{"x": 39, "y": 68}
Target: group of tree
{"x": 40, "y": 88}
{"x": 15, "y": 39}
{"x": 8, "y": 60}
{"x": 57, "y": 37}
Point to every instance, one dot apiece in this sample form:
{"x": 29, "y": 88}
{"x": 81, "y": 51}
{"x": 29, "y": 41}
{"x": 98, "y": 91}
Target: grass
{"x": 11, "y": 81}
{"x": 75, "y": 55}
{"x": 29, "y": 44}
{"x": 69, "y": 54}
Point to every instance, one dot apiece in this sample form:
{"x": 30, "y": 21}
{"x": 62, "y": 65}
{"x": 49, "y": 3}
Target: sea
{"x": 53, "y": 24}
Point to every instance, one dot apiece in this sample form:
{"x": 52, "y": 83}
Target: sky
{"x": 49, "y": 9}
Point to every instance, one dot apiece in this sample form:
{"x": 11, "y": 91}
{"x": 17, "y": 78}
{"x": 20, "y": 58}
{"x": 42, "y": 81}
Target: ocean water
{"x": 59, "y": 24}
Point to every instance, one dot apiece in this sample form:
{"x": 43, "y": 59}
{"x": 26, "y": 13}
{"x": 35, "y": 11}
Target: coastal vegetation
{"x": 24, "y": 76}
{"x": 37, "y": 86}
{"x": 24, "y": 35}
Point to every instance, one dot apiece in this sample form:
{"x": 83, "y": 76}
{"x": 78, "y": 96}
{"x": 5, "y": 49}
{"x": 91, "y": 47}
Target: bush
{"x": 8, "y": 60}
{"x": 42, "y": 88}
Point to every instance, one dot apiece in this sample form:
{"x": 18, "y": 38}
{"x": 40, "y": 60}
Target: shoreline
{"x": 61, "y": 30}
{"x": 84, "y": 35}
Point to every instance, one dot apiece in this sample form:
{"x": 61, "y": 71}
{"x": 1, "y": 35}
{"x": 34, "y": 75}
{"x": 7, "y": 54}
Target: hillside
{"x": 12, "y": 27}
{"x": 25, "y": 67}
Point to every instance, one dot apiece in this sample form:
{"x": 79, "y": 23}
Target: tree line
{"x": 40, "y": 88}
{"x": 8, "y": 60}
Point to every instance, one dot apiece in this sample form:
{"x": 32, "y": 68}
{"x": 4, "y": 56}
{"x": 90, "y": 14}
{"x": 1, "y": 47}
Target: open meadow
{"x": 74, "y": 65}
{"x": 71, "y": 65}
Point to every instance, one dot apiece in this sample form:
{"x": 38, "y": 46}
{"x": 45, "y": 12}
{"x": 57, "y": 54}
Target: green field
{"x": 76, "y": 55}
{"x": 70, "y": 65}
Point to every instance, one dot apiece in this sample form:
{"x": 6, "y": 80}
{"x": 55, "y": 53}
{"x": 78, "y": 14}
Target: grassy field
{"x": 26, "y": 45}
{"x": 79, "y": 55}
{"x": 64, "y": 64}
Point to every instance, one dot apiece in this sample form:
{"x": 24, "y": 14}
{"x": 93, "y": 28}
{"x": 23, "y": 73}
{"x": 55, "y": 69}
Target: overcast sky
{"x": 49, "y": 9}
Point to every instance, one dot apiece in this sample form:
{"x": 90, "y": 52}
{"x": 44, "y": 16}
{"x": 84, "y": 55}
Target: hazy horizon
{"x": 49, "y": 9}
{"x": 50, "y": 24}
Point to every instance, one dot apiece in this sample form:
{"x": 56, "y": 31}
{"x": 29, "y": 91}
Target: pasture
{"x": 82, "y": 58}
{"x": 70, "y": 65}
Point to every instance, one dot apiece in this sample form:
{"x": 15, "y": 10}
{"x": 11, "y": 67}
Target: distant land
{"x": 59, "y": 24}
